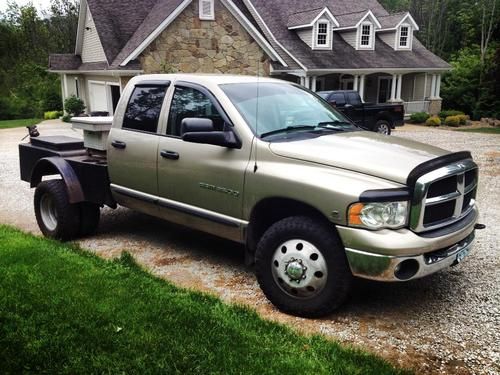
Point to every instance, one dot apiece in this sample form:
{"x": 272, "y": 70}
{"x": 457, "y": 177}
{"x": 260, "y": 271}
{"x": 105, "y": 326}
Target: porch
{"x": 419, "y": 91}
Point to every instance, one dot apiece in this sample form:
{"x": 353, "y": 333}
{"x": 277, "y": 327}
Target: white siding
{"x": 92, "y": 50}
{"x": 388, "y": 38}
{"x": 306, "y": 36}
{"x": 407, "y": 88}
{"x": 420, "y": 93}
{"x": 350, "y": 37}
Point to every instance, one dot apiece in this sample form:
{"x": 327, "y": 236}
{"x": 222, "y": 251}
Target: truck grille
{"x": 444, "y": 196}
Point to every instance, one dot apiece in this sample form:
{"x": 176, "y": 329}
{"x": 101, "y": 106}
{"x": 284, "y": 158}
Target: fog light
{"x": 406, "y": 269}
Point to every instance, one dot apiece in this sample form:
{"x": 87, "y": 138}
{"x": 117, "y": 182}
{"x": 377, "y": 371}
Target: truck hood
{"x": 387, "y": 157}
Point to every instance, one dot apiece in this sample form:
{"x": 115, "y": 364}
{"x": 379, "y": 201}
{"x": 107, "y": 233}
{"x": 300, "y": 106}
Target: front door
{"x": 384, "y": 90}
{"x": 202, "y": 183}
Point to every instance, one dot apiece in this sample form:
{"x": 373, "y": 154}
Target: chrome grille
{"x": 444, "y": 196}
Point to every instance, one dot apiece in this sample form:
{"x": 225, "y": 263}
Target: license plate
{"x": 462, "y": 254}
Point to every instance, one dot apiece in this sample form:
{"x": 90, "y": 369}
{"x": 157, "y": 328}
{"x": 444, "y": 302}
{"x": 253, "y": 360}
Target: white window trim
{"x": 370, "y": 46}
{"x": 410, "y": 38}
{"x": 315, "y": 33}
{"x": 205, "y": 17}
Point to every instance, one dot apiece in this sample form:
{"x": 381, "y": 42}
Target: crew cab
{"x": 380, "y": 118}
{"x": 266, "y": 163}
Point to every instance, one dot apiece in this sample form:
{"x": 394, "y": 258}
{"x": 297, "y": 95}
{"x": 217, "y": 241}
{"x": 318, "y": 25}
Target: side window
{"x": 189, "y": 102}
{"x": 143, "y": 109}
{"x": 339, "y": 99}
{"x": 353, "y": 98}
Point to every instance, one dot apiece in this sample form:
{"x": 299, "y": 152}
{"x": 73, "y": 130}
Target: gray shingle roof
{"x": 391, "y": 20}
{"x": 69, "y": 62}
{"x": 303, "y": 18}
{"x": 350, "y": 19}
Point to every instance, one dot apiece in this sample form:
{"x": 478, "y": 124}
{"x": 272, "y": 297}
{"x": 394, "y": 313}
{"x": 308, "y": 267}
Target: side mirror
{"x": 201, "y": 130}
{"x": 348, "y": 106}
{"x": 333, "y": 103}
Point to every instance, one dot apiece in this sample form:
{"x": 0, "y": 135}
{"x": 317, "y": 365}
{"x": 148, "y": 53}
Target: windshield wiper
{"x": 326, "y": 124}
{"x": 288, "y": 129}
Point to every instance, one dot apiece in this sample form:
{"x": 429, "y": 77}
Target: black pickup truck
{"x": 380, "y": 118}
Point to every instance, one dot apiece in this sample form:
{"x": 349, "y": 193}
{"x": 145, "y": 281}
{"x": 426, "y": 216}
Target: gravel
{"x": 446, "y": 323}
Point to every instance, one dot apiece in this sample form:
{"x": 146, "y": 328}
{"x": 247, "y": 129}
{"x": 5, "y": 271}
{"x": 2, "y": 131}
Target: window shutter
{"x": 207, "y": 9}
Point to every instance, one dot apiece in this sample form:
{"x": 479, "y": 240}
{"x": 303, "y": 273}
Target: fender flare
{"x": 57, "y": 165}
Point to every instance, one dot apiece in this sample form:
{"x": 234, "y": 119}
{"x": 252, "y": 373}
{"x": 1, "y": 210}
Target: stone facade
{"x": 190, "y": 45}
{"x": 435, "y": 106}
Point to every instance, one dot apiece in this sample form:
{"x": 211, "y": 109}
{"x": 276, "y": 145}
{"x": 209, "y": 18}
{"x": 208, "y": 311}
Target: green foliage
{"x": 453, "y": 121}
{"x": 52, "y": 115}
{"x": 74, "y": 106}
{"x": 433, "y": 121}
{"x": 419, "y": 117}
{"x": 449, "y": 112}
{"x": 7, "y": 124}
{"x": 65, "y": 311}
{"x": 66, "y": 118}
{"x": 463, "y": 119}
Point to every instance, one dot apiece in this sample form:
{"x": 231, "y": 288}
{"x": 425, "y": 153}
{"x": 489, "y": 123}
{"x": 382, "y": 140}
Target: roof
{"x": 70, "y": 62}
{"x": 125, "y": 25}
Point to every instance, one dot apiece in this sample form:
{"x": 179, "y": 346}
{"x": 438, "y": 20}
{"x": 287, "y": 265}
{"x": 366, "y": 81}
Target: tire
{"x": 302, "y": 268}
{"x": 90, "y": 214}
{"x": 56, "y": 217}
{"x": 383, "y": 127}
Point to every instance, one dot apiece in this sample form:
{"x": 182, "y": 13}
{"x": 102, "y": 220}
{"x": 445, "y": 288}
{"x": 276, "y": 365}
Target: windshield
{"x": 273, "y": 108}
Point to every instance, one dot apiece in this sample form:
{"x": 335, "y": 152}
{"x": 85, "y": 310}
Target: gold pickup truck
{"x": 269, "y": 164}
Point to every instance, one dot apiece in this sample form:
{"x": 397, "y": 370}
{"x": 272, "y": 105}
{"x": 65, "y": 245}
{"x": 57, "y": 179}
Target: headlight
{"x": 377, "y": 215}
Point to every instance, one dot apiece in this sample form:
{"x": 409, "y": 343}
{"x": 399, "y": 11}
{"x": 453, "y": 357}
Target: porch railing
{"x": 414, "y": 107}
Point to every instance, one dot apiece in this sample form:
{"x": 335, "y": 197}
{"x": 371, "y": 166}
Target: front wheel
{"x": 56, "y": 217}
{"x": 302, "y": 268}
{"x": 383, "y": 127}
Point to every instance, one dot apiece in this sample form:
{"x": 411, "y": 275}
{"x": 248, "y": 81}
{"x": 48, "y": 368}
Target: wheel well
{"x": 271, "y": 210}
{"x": 386, "y": 117}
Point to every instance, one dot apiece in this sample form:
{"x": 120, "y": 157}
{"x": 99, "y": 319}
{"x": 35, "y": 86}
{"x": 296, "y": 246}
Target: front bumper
{"x": 403, "y": 255}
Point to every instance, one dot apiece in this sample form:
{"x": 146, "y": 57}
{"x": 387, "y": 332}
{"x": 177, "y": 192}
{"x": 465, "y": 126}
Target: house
{"x": 321, "y": 44}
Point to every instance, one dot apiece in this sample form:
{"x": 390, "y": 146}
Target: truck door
{"x": 200, "y": 182}
{"x": 354, "y": 108}
{"x": 133, "y": 147}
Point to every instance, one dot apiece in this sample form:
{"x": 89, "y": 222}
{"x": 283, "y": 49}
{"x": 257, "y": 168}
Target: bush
{"x": 52, "y": 115}
{"x": 463, "y": 119}
{"x": 74, "y": 106}
{"x": 67, "y": 118}
{"x": 419, "y": 117}
{"x": 433, "y": 121}
{"x": 453, "y": 121}
{"x": 448, "y": 113}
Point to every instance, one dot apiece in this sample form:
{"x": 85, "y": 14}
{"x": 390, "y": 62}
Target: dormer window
{"x": 404, "y": 37}
{"x": 322, "y": 37}
{"x": 366, "y": 36}
{"x": 207, "y": 10}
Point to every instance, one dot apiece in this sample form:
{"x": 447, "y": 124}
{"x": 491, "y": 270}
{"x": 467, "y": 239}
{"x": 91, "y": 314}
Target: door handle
{"x": 172, "y": 155}
{"x": 118, "y": 144}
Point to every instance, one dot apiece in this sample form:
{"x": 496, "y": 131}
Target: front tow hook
{"x": 480, "y": 226}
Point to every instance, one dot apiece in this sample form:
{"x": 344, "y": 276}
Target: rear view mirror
{"x": 201, "y": 130}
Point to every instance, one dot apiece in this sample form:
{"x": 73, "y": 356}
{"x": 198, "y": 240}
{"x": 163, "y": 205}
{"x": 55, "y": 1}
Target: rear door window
{"x": 338, "y": 98}
{"x": 143, "y": 109}
{"x": 353, "y": 98}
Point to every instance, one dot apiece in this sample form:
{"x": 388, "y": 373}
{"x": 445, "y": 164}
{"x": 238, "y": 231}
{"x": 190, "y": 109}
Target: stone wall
{"x": 190, "y": 45}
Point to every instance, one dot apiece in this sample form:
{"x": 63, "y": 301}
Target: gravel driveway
{"x": 446, "y": 323}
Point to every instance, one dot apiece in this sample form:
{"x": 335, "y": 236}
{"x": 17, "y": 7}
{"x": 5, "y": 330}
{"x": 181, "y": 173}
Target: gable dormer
{"x": 358, "y": 29}
{"x": 398, "y": 31}
{"x": 314, "y": 27}
{"x": 88, "y": 43}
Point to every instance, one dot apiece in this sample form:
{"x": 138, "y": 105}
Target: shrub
{"x": 433, "y": 121}
{"x": 66, "y": 118}
{"x": 52, "y": 115}
{"x": 74, "y": 106}
{"x": 453, "y": 121}
{"x": 419, "y": 117}
{"x": 450, "y": 112}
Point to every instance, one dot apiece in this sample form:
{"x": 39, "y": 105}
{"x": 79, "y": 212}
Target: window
{"x": 366, "y": 35}
{"x": 322, "y": 35}
{"x": 353, "y": 98}
{"x": 143, "y": 109}
{"x": 338, "y": 98}
{"x": 207, "y": 11}
{"x": 404, "y": 36}
{"x": 189, "y": 102}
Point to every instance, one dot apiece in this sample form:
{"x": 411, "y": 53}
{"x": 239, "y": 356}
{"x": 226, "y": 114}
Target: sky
{"x": 39, "y": 4}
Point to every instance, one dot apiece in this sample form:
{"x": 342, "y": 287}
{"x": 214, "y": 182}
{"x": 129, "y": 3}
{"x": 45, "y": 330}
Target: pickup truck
{"x": 266, "y": 163}
{"x": 380, "y": 118}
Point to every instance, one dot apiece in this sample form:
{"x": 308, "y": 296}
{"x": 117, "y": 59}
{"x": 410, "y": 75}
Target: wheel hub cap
{"x": 296, "y": 270}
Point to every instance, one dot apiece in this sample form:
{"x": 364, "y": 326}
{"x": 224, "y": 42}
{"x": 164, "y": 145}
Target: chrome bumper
{"x": 393, "y": 268}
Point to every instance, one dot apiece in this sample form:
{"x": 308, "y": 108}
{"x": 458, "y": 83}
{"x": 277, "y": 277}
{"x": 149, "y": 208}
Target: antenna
{"x": 256, "y": 138}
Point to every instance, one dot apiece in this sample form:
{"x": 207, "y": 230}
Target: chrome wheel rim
{"x": 383, "y": 129}
{"x": 48, "y": 212}
{"x": 299, "y": 269}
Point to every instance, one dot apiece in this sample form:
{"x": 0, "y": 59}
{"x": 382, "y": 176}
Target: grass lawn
{"x": 6, "y": 124}
{"x": 63, "y": 310}
{"x": 480, "y": 130}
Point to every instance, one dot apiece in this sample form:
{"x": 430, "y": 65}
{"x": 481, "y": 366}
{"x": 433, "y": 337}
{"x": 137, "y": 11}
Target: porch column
{"x": 393, "y": 88}
{"x": 313, "y": 83}
{"x": 433, "y": 86}
{"x": 356, "y": 83}
{"x": 400, "y": 86}
{"x": 362, "y": 87}
{"x": 438, "y": 87}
